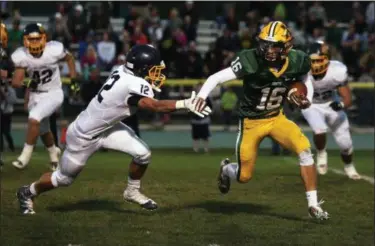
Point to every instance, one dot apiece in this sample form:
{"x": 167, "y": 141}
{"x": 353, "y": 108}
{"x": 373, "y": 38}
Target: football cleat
{"x": 352, "y": 172}
{"x": 19, "y": 164}
{"x": 223, "y": 181}
{"x": 25, "y": 200}
{"x": 134, "y": 196}
{"x": 318, "y": 213}
{"x": 321, "y": 162}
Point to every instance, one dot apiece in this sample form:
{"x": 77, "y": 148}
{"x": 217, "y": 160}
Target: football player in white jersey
{"x": 128, "y": 87}
{"x": 39, "y": 59}
{"x": 326, "y": 78}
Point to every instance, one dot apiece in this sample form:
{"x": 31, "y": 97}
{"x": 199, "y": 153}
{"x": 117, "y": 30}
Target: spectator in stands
{"x": 316, "y": 17}
{"x": 212, "y": 60}
{"x": 7, "y": 99}
{"x": 15, "y": 36}
{"x": 228, "y": 105}
{"x": 129, "y": 23}
{"x": 299, "y": 36}
{"x": 120, "y": 61}
{"x": 228, "y": 44}
{"x": 318, "y": 11}
{"x": 64, "y": 70}
{"x": 99, "y": 19}
{"x": 333, "y": 33}
{"x": 192, "y": 66}
{"x": 246, "y": 39}
{"x": 231, "y": 21}
{"x": 189, "y": 29}
{"x": 350, "y": 44}
{"x": 370, "y": 16}
{"x": 89, "y": 61}
{"x": 77, "y": 24}
{"x": 106, "y": 52}
{"x": 138, "y": 36}
{"x": 280, "y": 12}
{"x": 189, "y": 9}
{"x": 154, "y": 16}
{"x": 179, "y": 38}
{"x": 367, "y": 61}
{"x": 83, "y": 44}
{"x": 174, "y": 20}
{"x": 359, "y": 18}
{"x": 59, "y": 30}
{"x": 155, "y": 32}
{"x": 200, "y": 127}
{"x": 92, "y": 86}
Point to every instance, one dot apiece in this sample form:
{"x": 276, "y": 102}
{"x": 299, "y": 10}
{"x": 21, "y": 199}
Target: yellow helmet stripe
{"x": 271, "y": 33}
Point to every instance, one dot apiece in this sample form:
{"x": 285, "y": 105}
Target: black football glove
{"x": 337, "y": 106}
{"x": 74, "y": 86}
{"x": 31, "y": 84}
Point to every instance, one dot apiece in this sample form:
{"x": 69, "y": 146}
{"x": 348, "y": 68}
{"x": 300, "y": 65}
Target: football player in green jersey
{"x": 267, "y": 72}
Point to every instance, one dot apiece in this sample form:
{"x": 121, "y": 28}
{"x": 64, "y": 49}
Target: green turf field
{"x": 269, "y": 210}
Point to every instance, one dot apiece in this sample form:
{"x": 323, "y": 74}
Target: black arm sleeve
{"x": 134, "y": 99}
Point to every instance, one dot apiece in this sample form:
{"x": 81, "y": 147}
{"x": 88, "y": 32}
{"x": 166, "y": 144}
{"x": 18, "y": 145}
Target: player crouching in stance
{"x": 267, "y": 72}
{"x": 327, "y": 77}
{"x": 128, "y": 87}
{"x": 40, "y": 59}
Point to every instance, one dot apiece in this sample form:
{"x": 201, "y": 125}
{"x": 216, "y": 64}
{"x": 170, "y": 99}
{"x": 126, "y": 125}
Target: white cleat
{"x": 134, "y": 196}
{"x": 321, "y": 162}
{"x": 19, "y": 164}
{"x": 318, "y": 213}
{"x": 351, "y": 172}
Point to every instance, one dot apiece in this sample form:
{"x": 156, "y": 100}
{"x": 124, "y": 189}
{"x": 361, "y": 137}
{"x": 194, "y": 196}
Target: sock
{"x": 134, "y": 183}
{"x": 312, "y": 198}
{"x": 26, "y": 153}
{"x": 231, "y": 170}
{"x": 32, "y": 189}
{"x": 321, "y": 152}
{"x": 53, "y": 153}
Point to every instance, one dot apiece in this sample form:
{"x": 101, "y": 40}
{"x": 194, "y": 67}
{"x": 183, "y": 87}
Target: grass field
{"x": 269, "y": 210}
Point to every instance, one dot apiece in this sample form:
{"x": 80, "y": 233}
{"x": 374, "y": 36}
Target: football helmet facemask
{"x": 274, "y": 42}
{"x": 145, "y": 62}
{"x": 319, "y": 55}
{"x": 35, "y": 39}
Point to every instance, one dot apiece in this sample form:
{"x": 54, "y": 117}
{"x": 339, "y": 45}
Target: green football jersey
{"x": 264, "y": 90}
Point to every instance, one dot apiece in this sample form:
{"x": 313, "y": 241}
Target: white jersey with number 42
{"x": 44, "y": 68}
{"x": 110, "y": 105}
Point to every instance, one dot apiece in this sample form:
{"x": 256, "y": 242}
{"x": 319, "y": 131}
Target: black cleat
{"x": 150, "y": 205}
{"x": 25, "y": 199}
{"x": 223, "y": 181}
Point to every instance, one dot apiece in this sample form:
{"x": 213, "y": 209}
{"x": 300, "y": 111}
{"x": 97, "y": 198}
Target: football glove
{"x": 191, "y": 105}
{"x": 297, "y": 99}
{"x": 74, "y": 86}
{"x": 337, "y": 106}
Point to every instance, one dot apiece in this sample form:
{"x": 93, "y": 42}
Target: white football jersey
{"x": 44, "y": 68}
{"x": 110, "y": 105}
{"x": 323, "y": 90}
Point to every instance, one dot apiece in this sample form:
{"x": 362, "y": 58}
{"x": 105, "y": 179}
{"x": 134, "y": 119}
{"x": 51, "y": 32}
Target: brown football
{"x": 301, "y": 88}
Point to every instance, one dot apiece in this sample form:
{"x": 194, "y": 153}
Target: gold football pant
{"x": 252, "y": 132}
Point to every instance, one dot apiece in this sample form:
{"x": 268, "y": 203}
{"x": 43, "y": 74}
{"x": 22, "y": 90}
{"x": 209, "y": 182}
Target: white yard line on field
{"x": 366, "y": 178}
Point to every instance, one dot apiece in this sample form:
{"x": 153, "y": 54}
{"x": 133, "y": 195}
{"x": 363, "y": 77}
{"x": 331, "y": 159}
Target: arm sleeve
{"x": 222, "y": 76}
{"x": 310, "y": 88}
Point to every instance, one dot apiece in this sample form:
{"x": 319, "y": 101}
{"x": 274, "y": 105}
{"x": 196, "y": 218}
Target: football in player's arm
{"x": 267, "y": 72}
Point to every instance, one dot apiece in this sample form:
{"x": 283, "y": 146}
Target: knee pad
{"x": 306, "y": 158}
{"x": 345, "y": 143}
{"x": 143, "y": 158}
{"x": 60, "y": 179}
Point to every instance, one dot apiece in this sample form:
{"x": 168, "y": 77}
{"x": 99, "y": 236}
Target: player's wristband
{"x": 180, "y": 104}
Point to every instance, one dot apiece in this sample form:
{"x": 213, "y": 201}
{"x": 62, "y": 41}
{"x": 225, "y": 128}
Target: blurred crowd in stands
{"x": 86, "y": 26}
